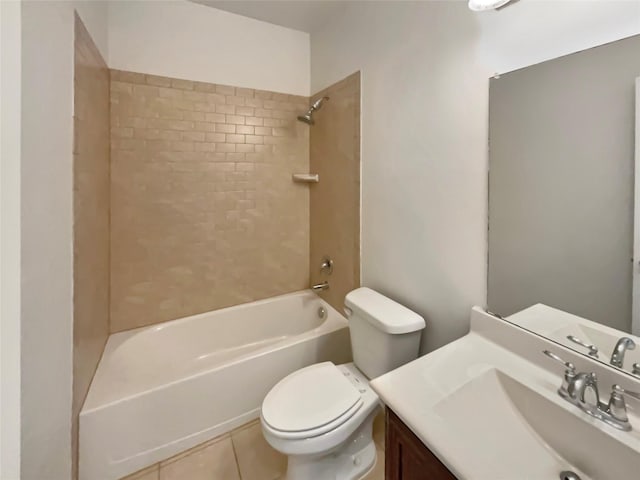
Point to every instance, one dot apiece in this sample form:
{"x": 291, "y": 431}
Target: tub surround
{"x": 90, "y": 215}
{"x": 204, "y": 214}
{"x": 335, "y": 200}
{"x": 162, "y": 389}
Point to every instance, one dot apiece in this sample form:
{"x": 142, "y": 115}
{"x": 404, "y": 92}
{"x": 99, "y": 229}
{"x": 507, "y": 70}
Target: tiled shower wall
{"x": 91, "y": 216}
{"x": 335, "y": 200}
{"x": 204, "y": 213}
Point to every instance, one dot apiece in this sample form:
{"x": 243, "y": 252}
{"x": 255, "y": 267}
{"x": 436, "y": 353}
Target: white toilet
{"x": 321, "y": 416}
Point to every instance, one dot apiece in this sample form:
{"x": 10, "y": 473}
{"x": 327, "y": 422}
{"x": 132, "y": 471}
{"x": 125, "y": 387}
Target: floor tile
{"x": 256, "y": 459}
{"x": 214, "y": 461}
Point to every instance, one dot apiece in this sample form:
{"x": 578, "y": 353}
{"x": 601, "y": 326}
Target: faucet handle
{"x": 617, "y": 406}
{"x": 569, "y": 373}
{"x": 636, "y": 369}
{"x": 326, "y": 265}
{"x": 593, "y": 350}
{"x": 618, "y": 389}
{"x": 570, "y": 366}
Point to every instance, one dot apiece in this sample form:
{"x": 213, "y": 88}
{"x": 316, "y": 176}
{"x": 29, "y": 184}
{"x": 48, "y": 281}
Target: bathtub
{"x": 163, "y": 389}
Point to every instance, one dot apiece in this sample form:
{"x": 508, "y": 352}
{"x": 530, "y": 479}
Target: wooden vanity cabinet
{"x": 406, "y": 457}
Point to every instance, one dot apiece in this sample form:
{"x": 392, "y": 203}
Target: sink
{"x": 487, "y": 406}
{"x": 522, "y": 427}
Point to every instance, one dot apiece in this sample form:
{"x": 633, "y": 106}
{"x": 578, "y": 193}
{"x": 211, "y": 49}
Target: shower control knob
{"x": 326, "y": 265}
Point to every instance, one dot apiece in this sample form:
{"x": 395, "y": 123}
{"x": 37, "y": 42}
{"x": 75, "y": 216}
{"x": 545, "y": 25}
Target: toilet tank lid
{"x": 382, "y": 312}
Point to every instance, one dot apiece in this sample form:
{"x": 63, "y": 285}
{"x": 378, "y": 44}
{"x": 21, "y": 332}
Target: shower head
{"x": 308, "y": 117}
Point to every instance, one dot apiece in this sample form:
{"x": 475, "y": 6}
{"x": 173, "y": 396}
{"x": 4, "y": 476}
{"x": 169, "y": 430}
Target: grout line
{"x": 235, "y": 456}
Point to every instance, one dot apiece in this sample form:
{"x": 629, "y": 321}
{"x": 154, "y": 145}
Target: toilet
{"x": 321, "y": 416}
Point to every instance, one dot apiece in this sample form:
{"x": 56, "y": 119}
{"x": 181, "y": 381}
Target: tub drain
{"x": 568, "y": 475}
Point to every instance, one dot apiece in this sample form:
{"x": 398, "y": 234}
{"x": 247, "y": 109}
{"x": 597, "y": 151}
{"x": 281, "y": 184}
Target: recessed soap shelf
{"x": 306, "y": 177}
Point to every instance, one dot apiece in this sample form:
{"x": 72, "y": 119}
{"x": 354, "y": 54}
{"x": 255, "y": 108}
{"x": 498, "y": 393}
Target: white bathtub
{"x": 162, "y": 389}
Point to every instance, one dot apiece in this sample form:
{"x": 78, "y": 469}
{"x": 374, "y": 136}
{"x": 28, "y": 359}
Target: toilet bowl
{"x": 327, "y": 431}
{"x": 321, "y": 416}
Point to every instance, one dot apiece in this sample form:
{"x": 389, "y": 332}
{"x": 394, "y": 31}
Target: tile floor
{"x": 242, "y": 454}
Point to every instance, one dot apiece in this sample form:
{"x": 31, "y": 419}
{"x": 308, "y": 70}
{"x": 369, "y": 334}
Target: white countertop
{"x": 420, "y": 393}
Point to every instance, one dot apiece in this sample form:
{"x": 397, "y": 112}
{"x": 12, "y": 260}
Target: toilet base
{"x": 348, "y": 461}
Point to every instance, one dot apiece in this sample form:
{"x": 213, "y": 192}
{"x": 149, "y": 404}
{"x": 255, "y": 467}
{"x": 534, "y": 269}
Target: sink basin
{"x": 522, "y": 427}
{"x": 487, "y": 406}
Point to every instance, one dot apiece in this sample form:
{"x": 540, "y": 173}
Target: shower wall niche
{"x": 204, "y": 214}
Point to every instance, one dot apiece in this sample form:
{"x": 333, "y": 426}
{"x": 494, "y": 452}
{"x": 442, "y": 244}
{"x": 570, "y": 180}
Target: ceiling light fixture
{"x": 481, "y": 5}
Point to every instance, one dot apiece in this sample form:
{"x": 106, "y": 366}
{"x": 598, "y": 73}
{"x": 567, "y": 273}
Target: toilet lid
{"x": 309, "y": 398}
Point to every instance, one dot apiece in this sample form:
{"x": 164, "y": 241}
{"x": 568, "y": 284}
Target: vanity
{"x": 406, "y": 457}
{"x": 498, "y": 404}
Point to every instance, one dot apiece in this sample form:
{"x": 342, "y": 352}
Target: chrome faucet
{"x": 575, "y": 386}
{"x": 320, "y": 286}
{"x": 579, "y": 387}
{"x": 624, "y": 344}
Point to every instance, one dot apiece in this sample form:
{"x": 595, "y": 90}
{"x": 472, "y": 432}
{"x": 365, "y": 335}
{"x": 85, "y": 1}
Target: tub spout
{"x": 320, "y": 286}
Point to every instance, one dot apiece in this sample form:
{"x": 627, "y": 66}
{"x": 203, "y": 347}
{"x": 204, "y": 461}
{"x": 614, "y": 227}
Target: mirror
{"x": 563, "y": 256}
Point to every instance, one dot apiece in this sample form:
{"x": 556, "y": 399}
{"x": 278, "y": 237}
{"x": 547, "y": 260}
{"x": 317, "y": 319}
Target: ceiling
{"x": 304, "y": 15}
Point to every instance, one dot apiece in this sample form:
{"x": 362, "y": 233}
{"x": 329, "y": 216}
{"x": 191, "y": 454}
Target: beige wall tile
{"x": 91, "y": 216}
{"x": 256, "y": 459}
{"x": 213, "y": 461}
{"x": 151, "y": 473}
{"x": 204, "y": 214}
{"x": 335, "y": 200}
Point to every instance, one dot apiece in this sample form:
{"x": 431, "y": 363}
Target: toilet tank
{"x": 384, "y": 334}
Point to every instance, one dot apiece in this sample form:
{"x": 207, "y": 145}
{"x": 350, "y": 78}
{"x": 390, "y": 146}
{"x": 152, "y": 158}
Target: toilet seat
{"x": 310, "y": 402}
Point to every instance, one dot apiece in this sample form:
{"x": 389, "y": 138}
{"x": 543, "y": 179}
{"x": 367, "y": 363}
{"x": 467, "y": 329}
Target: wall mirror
{"x": 564, "y": 201}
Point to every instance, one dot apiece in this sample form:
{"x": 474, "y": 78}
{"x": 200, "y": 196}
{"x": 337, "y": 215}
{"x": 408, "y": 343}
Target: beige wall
{"x": 91, "y": 215}
{"x": 204, "y": 214}
{"x": 335, "y": 200}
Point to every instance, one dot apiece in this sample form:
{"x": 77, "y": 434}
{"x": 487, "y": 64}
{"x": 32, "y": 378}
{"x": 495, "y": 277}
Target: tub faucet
{"x": 320, "y": 286}
{"x": 624, "y": 344}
